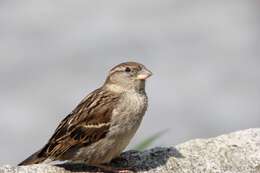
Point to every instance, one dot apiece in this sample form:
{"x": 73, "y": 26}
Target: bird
{"x": 103, "y": 123}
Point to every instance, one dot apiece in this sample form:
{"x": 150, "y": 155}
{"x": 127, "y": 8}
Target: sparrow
{"x": 103, "y": 123}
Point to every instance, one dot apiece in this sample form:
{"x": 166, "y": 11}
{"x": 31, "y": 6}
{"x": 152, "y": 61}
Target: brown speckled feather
{"x": 88, "y": 123}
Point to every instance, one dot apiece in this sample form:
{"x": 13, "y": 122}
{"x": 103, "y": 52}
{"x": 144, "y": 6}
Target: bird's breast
{"x": 129, "y": 113}
{"x": 125, "y": 121}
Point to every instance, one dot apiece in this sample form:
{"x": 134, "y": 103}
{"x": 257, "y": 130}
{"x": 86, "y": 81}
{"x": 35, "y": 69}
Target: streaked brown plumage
{"x": 103, "y": 123}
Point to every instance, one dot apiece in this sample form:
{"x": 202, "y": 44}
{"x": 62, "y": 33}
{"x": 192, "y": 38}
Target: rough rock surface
{"x": 237, "y": 152}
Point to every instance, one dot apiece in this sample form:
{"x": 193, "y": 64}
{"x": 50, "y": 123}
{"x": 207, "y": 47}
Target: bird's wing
{"x": 88, "y": 123}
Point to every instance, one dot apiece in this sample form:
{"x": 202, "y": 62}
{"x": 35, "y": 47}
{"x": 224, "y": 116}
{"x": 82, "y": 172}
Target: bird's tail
{"x": 33, "y": 159}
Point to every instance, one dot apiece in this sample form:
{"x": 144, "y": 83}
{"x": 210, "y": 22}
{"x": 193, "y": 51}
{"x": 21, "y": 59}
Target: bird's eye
{"x": 127, "y": 69}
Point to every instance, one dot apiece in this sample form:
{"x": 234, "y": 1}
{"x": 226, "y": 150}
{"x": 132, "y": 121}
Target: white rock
{"x": 237, "y": 152}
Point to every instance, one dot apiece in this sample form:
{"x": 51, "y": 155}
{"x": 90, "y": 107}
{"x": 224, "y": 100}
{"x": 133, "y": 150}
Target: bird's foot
{"x": 110, "y": 169}
{"x": 120, "y": 160}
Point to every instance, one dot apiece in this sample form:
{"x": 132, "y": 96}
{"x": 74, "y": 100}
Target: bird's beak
{"x": 144, "y": 74}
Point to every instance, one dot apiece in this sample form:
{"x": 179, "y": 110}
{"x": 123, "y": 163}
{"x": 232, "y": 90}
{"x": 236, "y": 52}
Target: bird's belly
{"x": 104, "y": 150}
{"x": 122, "y": 140}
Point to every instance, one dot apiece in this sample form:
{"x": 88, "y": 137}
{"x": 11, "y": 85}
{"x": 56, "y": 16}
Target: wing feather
{"x": 86, "y": 124}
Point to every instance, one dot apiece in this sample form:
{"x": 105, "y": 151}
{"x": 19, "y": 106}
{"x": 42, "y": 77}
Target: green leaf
{"x": 149, "y": 141}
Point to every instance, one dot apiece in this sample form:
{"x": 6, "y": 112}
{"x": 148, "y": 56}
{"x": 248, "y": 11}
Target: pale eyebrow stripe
{"x": 96, "y": 125}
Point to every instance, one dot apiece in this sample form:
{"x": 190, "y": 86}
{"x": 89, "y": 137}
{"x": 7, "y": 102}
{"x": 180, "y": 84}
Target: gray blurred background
{"x": 204, "y": 56}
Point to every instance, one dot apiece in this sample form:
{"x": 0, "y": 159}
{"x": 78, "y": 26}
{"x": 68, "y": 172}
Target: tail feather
{"x": 33, "y": 159}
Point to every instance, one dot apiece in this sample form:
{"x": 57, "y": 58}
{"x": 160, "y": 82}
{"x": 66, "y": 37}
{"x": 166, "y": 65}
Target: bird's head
{"x": 127, "y": 76}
